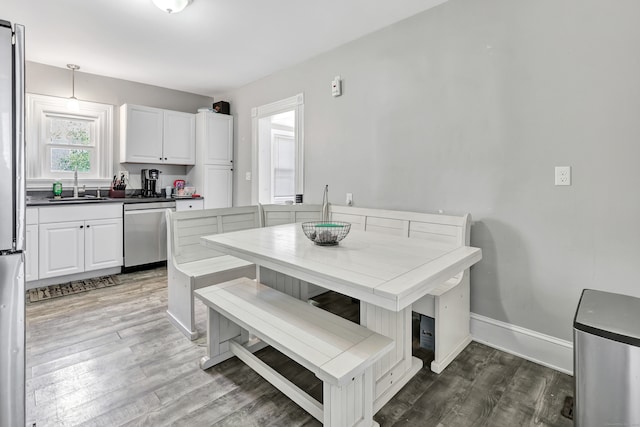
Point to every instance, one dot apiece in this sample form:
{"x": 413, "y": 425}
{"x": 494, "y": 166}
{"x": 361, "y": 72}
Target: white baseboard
{"x": 539, "y": 348}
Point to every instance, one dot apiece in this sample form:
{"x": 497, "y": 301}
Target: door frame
{"x": 296, "y": 103}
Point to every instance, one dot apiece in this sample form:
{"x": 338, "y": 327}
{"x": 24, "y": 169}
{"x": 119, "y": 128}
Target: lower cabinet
{"x": 218, "y": 185}
{"x": 70, "y": 247}
{"x": 31, "y": 249}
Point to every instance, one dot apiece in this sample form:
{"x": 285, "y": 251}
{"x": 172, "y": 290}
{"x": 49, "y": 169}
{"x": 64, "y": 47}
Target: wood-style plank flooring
{"x": 110, "y": 357}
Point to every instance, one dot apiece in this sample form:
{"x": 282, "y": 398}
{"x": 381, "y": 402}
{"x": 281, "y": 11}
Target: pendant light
{"x": 73, "y": 103}
{"x": 171, "y": 6}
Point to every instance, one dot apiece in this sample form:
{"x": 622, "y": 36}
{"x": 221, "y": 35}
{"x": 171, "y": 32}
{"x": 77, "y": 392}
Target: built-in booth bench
{"x": 192, "y": 266}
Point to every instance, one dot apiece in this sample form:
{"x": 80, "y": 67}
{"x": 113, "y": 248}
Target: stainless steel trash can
{"x": 606, "y": 353}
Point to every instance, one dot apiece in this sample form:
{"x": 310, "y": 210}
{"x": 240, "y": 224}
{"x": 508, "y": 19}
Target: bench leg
{"x": 350, "y": 404}
{"x": 219, "y": 331}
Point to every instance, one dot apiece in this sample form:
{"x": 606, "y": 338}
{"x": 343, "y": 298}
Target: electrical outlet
{"x": 126, "y": 175}
{"x": 247, "y": 176}
{"x": 563, "y": 175}
{"x": 349, "y": 199}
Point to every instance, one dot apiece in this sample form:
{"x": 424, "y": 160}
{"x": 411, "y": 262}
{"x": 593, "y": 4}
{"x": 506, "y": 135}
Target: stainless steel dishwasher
{"x": 145, "y": 232}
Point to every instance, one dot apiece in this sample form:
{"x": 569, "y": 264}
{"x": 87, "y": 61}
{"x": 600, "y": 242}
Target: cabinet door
{"x": 103, "y": 244}
{"x": 179, "y": 141}
{"x": 141, "y": 134}
{"x": 31, "y": 254}
{"x": 218, "y": 184}
{"x": 61, "y": 248}
{"x": 218, "y": 139}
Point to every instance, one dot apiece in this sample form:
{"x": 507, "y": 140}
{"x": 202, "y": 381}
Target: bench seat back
{"x": 286, "y": 214}
{"x": 449, "y": 229}
{"x": 189, "y": 226}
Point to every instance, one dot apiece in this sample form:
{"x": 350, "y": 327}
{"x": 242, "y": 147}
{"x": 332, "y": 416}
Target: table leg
{"x": 396, "y": 368}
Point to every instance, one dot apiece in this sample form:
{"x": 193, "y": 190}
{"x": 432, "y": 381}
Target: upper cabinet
{"x": 215, "y": 138}
{"x": 154, "y": 135}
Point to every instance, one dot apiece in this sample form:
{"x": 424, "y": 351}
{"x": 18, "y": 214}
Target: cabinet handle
{"x": 88, "y": 226}
{"x": 190, "y": 206}
{"x": 82, "y": 226}
{"x": 165, "y": 158}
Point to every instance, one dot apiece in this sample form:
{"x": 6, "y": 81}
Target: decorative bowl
{"x": 326, "y": 233}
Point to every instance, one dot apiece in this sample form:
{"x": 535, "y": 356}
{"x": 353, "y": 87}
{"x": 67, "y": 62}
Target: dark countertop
{"x": 45, "y": 201}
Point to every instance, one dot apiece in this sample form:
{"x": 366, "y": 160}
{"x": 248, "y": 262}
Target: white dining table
{"x": 386, "y": 273}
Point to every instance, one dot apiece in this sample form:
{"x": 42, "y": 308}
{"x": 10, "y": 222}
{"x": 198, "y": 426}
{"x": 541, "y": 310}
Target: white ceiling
{"x": 209, "y": 48}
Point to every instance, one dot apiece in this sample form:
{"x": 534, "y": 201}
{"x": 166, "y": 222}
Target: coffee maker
{"x": 149, "y": 179}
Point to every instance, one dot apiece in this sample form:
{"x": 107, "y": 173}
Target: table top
{"x": 388, "y": 271}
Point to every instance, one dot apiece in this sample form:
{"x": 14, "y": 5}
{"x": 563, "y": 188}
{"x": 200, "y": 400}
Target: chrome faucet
{"x": 75, "y": 183}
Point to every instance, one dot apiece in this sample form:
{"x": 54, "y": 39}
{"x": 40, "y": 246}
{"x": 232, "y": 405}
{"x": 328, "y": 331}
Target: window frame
{"x": 39, "y": 110}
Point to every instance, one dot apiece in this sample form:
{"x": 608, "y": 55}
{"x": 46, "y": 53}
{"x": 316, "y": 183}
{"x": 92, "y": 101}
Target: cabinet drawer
{"x": 186, "y": 205}
{"x": 80, "y": 212}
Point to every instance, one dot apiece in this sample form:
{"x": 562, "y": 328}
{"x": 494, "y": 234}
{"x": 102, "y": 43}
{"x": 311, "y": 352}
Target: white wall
{"x": 467, "y": 108}
{"x": 47, "y": 80}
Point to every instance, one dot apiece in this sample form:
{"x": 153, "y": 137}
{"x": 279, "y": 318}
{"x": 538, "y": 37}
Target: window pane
{"x": 283, "y": 166}
{"x": 66, "y": 131}
{"x": 68, "y": 159}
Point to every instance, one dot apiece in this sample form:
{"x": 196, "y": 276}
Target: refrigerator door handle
{"x": 20, "y": 185}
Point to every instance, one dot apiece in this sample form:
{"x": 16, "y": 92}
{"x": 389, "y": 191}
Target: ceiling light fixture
{"x": 171, "y": 6}
{"x": 73, "y": 103}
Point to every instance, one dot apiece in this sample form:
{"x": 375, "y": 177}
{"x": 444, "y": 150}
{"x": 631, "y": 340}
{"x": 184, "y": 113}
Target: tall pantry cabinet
{"x": 212, "y": 175}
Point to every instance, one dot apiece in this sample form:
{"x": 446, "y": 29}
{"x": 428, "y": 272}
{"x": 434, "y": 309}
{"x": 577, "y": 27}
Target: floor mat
{"x": 77, "y": 286}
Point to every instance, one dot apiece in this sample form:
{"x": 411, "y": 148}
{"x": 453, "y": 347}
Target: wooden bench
{"x": 337, "y": 351}
{"x": 449, "y": 303}
{"x": 191, "y": 266}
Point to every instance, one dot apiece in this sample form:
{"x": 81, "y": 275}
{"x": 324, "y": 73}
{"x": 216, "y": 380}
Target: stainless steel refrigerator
{"x": 12, "y": 226}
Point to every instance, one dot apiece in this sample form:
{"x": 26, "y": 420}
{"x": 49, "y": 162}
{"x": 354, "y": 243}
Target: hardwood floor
{"x": 110, "y": 357}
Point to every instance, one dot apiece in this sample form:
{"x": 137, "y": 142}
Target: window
{"x": 278, "y": 151}
{"x": 60, "y": 141}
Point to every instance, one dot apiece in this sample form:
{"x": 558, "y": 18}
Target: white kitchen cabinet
{"x": 214, "y": 141}
{"x": 157, "y": 136}
{"x": 218, "y": 187}
{"x": 189, "y": 204}
{"x": 61, "y": 248}
{"x": 102, "y": 244}
{"x": 31, "y": 238}
{"x": 212, "y": 175}
{"x": 76, "y": 239}
{"x": 179, "y": 138}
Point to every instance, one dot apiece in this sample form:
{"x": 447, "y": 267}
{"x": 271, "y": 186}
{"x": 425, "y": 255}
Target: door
{"x": 61, "y": 248}
{"x": 179, "y": 138}
{"x": 278, "y": 151}
{"x": 142, "y": 130}
{"x": 103, "y": 244}
{"x": 218, "y": 139}
{"x": 218, "y": 186}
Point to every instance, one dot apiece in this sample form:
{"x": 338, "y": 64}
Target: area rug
{"x": 75, "y": 287}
